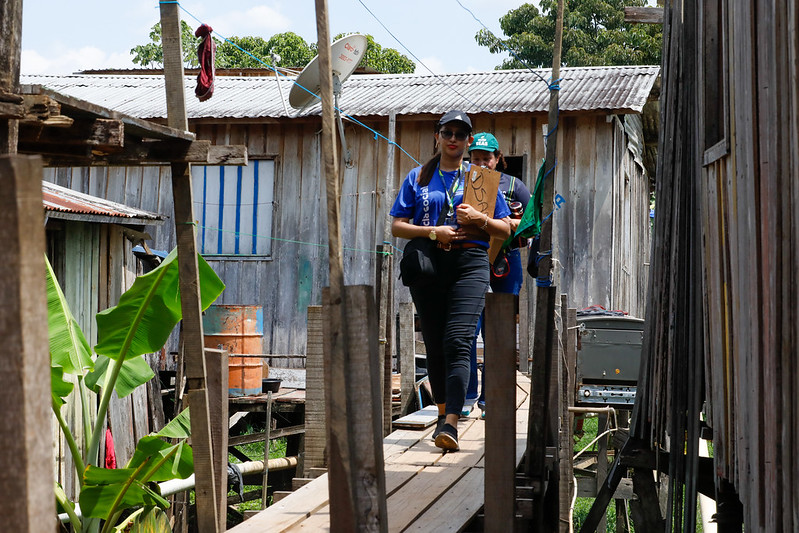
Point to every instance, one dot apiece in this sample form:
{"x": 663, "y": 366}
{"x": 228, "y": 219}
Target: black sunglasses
{"x": 459, "y": 135}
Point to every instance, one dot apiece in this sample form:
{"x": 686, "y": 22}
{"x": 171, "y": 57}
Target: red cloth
{"x": 110, "y": 456}
{"x": 206, "y": 53}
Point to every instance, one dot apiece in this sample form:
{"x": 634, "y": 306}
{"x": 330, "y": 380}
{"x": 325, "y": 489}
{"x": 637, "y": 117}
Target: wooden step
{"x": 298, "y": 482}
{"x": 279, "y": 495}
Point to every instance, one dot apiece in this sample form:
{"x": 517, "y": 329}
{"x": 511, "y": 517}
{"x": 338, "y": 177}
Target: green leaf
{"x": 134, "y": 372}
{"x": 149, "y": 310}
{"x": 98, "y": 500}
{"x": 152, "y": 450}
{"x": 178, "y": 428}
{"x": 152, "y": 520}
{"x": 68, "y": 347}
{"x": 60, "y": 388}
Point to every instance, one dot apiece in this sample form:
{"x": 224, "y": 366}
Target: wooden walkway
{"x": 427, "y": 490}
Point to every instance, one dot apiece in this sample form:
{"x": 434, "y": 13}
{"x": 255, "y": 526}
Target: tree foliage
{"x": 386, "y": 60}
{"x": 151, "y": 55}
{"x": 256, "y": 52}
{"x": 594, "y": 33}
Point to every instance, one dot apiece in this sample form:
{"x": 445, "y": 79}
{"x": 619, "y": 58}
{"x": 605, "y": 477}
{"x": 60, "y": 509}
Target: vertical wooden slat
{"x": 500, "y": 455}
{"x": 406, "y": 351}
{"x": 315, "y": 429}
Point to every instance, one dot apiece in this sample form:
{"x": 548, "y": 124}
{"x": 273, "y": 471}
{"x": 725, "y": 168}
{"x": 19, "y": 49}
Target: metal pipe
{"x": 173, "y": 486}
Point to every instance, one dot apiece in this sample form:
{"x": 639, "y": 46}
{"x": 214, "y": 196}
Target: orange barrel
{"x": 239, "y": 329}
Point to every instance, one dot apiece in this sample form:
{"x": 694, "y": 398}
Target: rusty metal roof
{"x": 622, "y": 89}
{"x": 60, "y": 202}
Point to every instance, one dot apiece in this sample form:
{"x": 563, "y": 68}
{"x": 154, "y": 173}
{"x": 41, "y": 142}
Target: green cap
{"x": 484, "y": 141}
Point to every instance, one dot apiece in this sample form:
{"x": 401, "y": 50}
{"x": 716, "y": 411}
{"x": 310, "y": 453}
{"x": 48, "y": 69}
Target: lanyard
{"x": 452, "y": 189}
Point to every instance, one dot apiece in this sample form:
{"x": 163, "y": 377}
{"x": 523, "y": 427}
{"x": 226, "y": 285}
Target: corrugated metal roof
{"x": 583, "y": 89}
{"x": 62, "y": 201}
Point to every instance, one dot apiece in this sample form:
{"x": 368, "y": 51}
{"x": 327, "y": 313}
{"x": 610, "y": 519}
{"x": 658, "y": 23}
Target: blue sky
{"x": 61, "y": 37}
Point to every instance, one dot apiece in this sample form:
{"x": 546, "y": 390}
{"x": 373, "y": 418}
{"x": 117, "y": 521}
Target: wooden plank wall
{"x": 286, "y": 283}
{"x": 95, "y": 265}
{"x": 748, "y": 192}
{"x": 602, "y": 236}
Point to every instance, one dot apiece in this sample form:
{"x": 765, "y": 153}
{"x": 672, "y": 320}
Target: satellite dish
{"x": 345, "y": 55}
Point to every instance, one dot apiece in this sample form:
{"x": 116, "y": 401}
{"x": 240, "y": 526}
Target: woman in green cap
{"x": 506, "y": 271}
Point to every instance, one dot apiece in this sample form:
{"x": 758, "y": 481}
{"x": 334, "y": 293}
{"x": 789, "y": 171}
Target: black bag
{"x": 418, "y": 263}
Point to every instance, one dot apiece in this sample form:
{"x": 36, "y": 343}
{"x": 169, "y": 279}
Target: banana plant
{"x": 140, "y": 323}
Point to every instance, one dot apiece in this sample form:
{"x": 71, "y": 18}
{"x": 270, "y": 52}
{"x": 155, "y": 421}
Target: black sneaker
{"x": 439, "y": 425}
{"x": 447, "y": 439}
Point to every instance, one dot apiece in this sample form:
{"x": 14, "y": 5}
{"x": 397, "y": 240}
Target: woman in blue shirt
{"x": 449, "y": 308}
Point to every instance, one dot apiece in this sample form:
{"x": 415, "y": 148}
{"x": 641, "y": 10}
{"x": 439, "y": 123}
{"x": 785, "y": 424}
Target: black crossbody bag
{"x": 418, "y": 263}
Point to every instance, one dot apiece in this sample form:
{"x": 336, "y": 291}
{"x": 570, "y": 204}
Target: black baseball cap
{"x": 456, "y": 116}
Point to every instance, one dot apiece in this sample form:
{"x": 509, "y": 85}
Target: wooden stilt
{"x": 500, "y": 454}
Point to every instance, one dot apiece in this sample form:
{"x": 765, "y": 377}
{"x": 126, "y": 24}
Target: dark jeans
{"x": 512, "y": 284}
{"x": 448, "y": 312}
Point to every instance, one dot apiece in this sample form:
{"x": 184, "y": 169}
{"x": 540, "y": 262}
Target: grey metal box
{"x": 608, "y": 359}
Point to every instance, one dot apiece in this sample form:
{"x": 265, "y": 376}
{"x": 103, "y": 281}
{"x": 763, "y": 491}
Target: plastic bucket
{"x": 239, "y": 329}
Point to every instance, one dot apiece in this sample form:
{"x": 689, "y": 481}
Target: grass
{"x": 255, "y": 451}
{"x": 583, "y": 505}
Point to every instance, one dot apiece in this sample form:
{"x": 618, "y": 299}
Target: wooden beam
{"x": 209, "y": 519}
{"x": 643, "y": 15}
{"x": 9, "y": 110}
{"x": 26, "y": 464}
{"x": 100, "y": 134}
{"x": 500, "y": 451}
{"x": 140, "y": 127}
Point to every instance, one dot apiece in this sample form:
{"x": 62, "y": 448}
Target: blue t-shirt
{"x": 423, "y": 204}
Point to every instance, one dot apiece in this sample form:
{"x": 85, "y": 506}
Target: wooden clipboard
{"x": 481, "y": 193}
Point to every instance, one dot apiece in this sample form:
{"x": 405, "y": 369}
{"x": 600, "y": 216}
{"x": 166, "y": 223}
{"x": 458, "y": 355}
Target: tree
{"x": 292, "y": 50}
{"x": 256, "y": 52}
{"x": 387, "y": 60}
{"x": 594, "y": 33}
{"x": 152, "y": 54}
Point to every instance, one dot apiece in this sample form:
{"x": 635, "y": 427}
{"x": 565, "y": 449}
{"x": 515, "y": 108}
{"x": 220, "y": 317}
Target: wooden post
{"x": 208, "y": 516}
{"x": 267, "y": 431}
{"x": 406, "y": 351}
{"x": 386, "y": 282}
{"x": 538, "y": 436}
{"x": 10, "y": 41}
{"x": 26, "y": 467}
{"x": 355, "y": 476}
{"x": 602, "y": 463}
{"x": 565, "y": 442}
{"x": 385, "y": 328}
{"x": 216, "y": 363}
{"x": 315, "y": 430}
{"x": 500, "y": 449}
{"x": 355, "y": 450}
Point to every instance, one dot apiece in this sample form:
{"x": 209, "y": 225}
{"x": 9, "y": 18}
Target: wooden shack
{"x": 720, "y": 341}
{"x": 89, "y": 244}
{"x": 260, "y": 227}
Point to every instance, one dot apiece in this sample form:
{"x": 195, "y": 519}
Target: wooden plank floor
{"x": 427, "y": 490}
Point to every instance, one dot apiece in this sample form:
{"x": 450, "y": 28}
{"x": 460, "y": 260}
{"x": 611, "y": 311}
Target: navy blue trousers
{"x": 448, "y": 311}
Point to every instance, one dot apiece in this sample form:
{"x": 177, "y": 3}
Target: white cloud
{"x": 260, "y": 20}
{"x": 67, "y": 61}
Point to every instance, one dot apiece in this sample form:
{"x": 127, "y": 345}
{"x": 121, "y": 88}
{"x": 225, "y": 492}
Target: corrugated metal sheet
{"x": 62, "y": 200}
{"x": 616, "y": 89}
